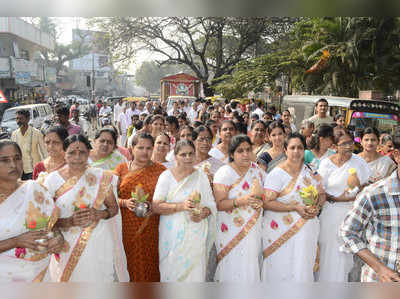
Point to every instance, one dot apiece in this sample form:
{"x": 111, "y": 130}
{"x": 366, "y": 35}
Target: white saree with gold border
{"x": 289, "y": 241}
{"x": 94, "y": 253}
{"x": 238, "y": 239}
{"x": 21, "y": 264}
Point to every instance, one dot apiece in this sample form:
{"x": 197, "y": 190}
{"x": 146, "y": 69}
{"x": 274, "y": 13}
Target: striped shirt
{"x": 374, "y": 223}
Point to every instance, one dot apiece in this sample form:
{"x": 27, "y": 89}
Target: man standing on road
{"x": 122, "y": 126}
{"x": 117, "y": 110}
{"x": 321, "y": 117}
{"x": 31, "y": 143}
{"x": 93, "y": 115}
{"x": 372, "y": 228}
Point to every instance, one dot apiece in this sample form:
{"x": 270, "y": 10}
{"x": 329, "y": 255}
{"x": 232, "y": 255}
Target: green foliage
{"x": 364, "y": 51}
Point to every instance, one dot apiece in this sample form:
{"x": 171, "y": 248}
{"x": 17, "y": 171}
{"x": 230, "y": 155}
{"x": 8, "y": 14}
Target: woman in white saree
{"x": 290, "y": 225}
{"x": 381, "y": 166}
{"x": 238, "y": 193}
{"x": 184, "y": 199}
{"x": 343, "y": 175}
{"x": 202, "y": 139}
{"x": 27, "y": 214}
{"x": 93, "y": 250}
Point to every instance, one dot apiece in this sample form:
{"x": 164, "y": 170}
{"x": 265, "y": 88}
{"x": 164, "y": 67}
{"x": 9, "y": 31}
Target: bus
{"x": 358, "y": 113}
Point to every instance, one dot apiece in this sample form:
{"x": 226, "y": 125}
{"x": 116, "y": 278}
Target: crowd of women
{"x": 226, "y": 198}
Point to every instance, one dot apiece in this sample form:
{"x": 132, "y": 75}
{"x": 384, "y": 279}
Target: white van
{"x": 39, "y": 113}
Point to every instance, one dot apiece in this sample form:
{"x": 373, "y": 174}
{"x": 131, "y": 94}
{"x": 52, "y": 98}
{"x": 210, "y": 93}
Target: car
{"x": 39, "y": 113}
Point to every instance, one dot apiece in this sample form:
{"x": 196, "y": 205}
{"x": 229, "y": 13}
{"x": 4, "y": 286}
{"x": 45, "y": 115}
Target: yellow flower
{"x": 352, "y": 171}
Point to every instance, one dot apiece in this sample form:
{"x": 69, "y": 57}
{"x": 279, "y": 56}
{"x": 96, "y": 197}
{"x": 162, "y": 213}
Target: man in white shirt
{"x": 131, "y": 111}
{"x": 117, "y": 110}
{"x": 30, "y": 140}
{"x": 194, "y": 110}
{"x": 105, "y": 109}
{"x": 123, "y": 126}
{"x": 259, "y": 110}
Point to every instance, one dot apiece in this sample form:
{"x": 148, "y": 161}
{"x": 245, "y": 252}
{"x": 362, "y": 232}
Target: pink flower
{"x": 20, "y": 252}
{"x": 274, "y": 225}
{"x": 245, "y": 186}
{"x": 253, "y": 165}
{"x": 224, "y": 227}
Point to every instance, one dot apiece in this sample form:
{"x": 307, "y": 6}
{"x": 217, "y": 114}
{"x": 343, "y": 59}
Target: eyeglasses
{"x": 346, "y": 144}
{"x": 205, "y": 139}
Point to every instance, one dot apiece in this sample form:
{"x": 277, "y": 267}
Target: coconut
{"x": 353, "y": 180}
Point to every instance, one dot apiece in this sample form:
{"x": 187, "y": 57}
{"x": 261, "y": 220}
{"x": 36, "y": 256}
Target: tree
{"x": 363, "y": 53}
{"x": 210, "y": 46}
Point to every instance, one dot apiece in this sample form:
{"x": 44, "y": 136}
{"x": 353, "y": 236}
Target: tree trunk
{"x": 208, "y": 90}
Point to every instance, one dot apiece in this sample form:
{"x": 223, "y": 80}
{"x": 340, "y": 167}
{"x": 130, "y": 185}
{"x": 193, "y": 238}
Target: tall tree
{"x": 210, "y": 46}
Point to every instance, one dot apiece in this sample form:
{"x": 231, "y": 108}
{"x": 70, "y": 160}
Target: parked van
{"x": 39, "y": 113}
{"x": 359, "y": 113}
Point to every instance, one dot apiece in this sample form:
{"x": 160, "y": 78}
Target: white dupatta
{"x": 183, "y": 244}
{"x": 16, "y": 212}
{"x": 94, "y": 253}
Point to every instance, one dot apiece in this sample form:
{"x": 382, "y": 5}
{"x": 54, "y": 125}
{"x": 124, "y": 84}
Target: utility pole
{"x": 93, "y": 77}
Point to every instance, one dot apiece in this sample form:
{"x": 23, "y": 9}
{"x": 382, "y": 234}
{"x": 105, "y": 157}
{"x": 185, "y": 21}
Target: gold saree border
{"x": 284, "y": 238}
{"x": 239, "y": 237}
{"x": 40, "y": 276}
{"x": 86, "y": 232}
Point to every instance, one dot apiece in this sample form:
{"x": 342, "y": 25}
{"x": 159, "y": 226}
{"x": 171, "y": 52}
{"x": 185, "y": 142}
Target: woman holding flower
{"x": 137, "y": 181}
{"x": 184, "y": 199}
{"x": 27, "y": 214}
{"x": 238, "y": 192}
{"x": 290, "y": 226}
{"x": 89, "y": 219}
{"x": 343, "y": 174}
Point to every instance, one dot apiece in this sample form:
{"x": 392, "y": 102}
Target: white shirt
{"x": 259, "y": 112}
{"x": 105, "y": 110}
{"x": 123, "y": 120}
{"x": 117, "y": 111}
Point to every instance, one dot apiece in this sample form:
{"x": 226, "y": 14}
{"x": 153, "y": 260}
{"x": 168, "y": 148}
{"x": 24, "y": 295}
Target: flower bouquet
{"x": 143, "y": 205}
{"x": 310, "y": 196}
{"x": 196, "y": 196}
{"x": 35, "y": 220}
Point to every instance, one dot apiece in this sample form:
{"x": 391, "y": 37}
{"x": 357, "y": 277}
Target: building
{"x": 23, "y": 73}
{"x": 95, "y": 65}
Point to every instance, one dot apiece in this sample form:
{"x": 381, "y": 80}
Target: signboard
{"x": 5, "y": 68}
{"x": 375, "y": 115}
{"x": 3, "y": 98}
{"x": 22, "y": 77}
{"x": 51, "y": 76}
